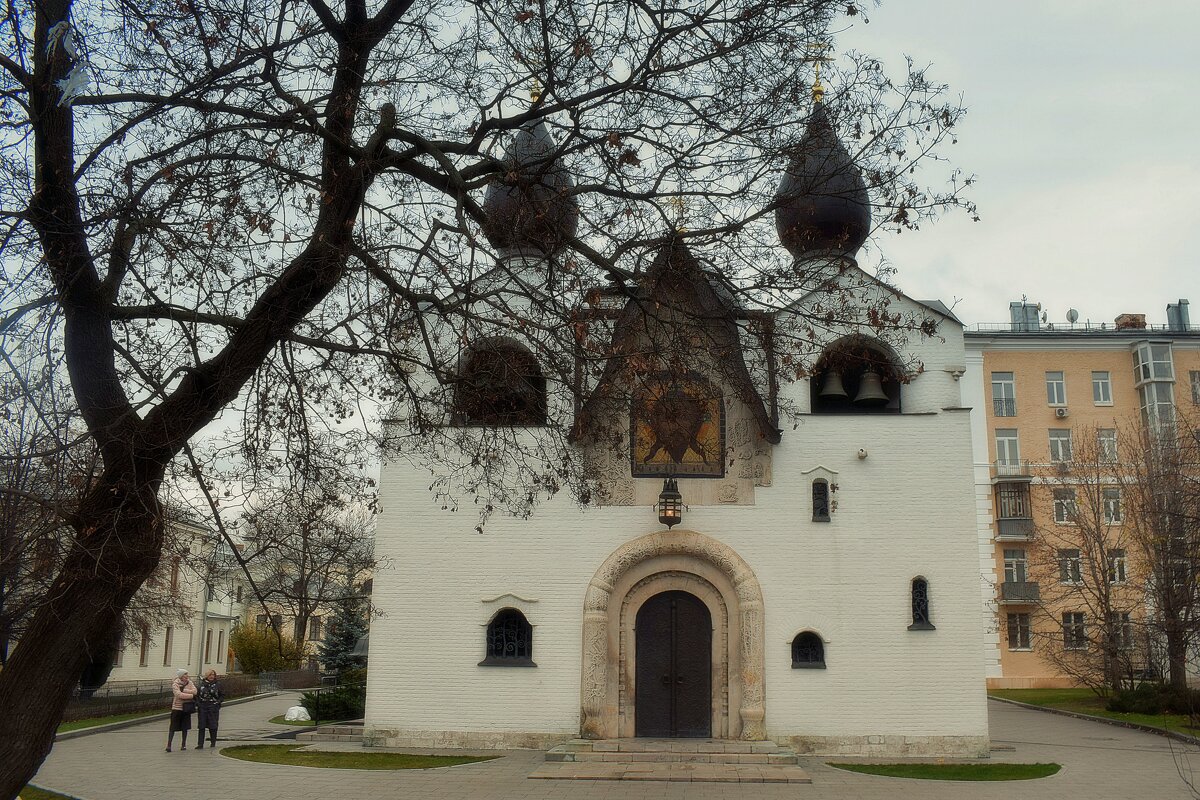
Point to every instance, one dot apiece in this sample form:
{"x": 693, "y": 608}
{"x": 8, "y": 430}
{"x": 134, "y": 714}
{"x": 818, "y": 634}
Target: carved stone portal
{"x": 636, "y": 571}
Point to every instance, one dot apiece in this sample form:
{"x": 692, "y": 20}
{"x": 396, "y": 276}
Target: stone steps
{"x": 333, "y": 733}
{"x": 686, "y": 760}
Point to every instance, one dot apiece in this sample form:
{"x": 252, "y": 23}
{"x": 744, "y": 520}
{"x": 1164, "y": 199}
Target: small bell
{"x": 870, "y": 390}
{"x": 831, "y": 387}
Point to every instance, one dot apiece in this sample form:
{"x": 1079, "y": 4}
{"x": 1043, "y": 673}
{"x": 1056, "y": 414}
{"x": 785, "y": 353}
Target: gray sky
{"x": 1082, "y": 127}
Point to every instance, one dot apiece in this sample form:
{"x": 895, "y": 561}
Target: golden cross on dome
{"x": 818, "y": 89}
{"x": 535, "y": 90}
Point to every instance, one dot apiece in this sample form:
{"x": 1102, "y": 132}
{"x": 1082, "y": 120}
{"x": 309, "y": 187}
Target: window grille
{"x": 808, "y": 651}
{"x": 509, "y": 641}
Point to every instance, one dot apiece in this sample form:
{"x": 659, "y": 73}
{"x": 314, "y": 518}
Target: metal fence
{"x": 127, "y": 697}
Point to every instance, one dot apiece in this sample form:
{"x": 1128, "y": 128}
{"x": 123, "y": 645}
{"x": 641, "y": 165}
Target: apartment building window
{"x": 1074, "y": 631}
{"x": 261, "y": 621}
{"x": 1019, "y": 632}
{"x": 120, "y": 659}
{"x": 1116, "y": 566}
{"x": 220, "y": 645}
{"x": 1008, "y": 448}
{"x": 1070, "y": 566}
{"x": 1064, "y": 506}
{"x": 277, "y": 622}
{"x": 1015, "y": 565}
{"x": 1194, "y": 380}
{"x": 1106, "y": 445}
{"x": 175, "y": 576}
{"x": 1112, "y": 506}
{"x": 212, "y": 593}
{"x": 1012, "y": 501}
{"x": 208, "y": 646}
{"x": 1154, "y": 375}
{"x": 1004, "y": 395}
{"x": 1056, "y": 389}
{"x": 1061, "y": 451}
{"x": 1102, "y": 388}
{"x": 145, "y": 648}
{"x": 1120, "y": 627}
{"x": 239, "y": 593}
{"x": 314, "y": 628}
{"x": 168, "y": 640}
{"x": 1152, "y": 362}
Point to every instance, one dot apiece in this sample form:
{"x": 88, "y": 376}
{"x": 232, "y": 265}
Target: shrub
{"x": 1155, "y": 698}
{"x": 262, "y": 650}
{"x": 341, "y": 702}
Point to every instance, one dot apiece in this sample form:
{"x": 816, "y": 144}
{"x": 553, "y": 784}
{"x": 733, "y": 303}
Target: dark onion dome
{"x": 822, "y": 199}
{"x": 530, "y": 205}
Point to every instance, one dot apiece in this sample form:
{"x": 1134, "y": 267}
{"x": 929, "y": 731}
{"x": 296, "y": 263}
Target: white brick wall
{"x": 906, "y": 510}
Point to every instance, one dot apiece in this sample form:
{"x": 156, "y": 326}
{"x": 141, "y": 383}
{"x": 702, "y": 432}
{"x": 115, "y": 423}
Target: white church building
{"x": 815, "y": 581}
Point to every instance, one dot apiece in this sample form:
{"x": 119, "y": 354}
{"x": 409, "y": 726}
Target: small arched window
{"x": 509, "y": 641}
{"x": 820, "y": 500}
{"x": 920, "y": 606}
{"x": 808, "y": 651}
{"x": 500, "y": 384}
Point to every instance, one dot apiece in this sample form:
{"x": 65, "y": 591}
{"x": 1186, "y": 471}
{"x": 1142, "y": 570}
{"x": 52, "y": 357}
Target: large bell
{"x": 831, "y": 387}
{"x": 870, "y": 390}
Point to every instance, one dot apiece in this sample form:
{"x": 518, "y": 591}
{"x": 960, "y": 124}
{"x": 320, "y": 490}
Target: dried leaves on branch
{"x": 237, "y": 218}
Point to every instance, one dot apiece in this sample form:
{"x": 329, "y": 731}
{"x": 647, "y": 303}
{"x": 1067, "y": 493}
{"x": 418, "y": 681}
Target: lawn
{"x": 1085, "y": 701}
{"x": 955, "y": 772}
{"x": 34, "y": 793}
{"x": 94, "y": 721}
{"x": 292, "y": 755}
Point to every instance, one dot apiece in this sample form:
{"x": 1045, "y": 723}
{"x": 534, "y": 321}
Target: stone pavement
{"x": 1099, "y": 762}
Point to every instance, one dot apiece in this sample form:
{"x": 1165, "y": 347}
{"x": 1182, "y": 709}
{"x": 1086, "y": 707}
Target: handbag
{"x": 189, "y": 706}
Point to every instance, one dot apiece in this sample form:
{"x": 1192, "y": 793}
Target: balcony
{"x": 1011, "y": 471}
{"x": 1014, "y": 529}
{"x": 1019, "y": 592}
{"x": 1004, "y": 407}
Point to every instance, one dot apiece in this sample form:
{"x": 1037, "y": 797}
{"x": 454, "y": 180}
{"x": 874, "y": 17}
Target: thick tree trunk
{"x": 116, "y": 548}
{"x": 1177, "y": 659}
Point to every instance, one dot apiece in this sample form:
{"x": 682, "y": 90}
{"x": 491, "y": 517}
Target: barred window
{"x": 808, "y": 651}
{"x": 501, "y": 384}
{"x": 920, "y": 606}
{"x": 820, "y": 500}
{"x": 509, "y": 640}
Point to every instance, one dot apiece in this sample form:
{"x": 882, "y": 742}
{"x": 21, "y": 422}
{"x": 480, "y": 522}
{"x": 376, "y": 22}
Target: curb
{"x": 129, "y": 723}
{"x": 1119, "y": 723}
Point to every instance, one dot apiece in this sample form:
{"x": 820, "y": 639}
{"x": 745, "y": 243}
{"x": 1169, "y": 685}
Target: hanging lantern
{"x": 670, "y": 504}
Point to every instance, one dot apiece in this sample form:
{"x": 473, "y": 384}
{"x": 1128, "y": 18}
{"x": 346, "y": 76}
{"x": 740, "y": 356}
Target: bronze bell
{"x": 831, "y": 387}
{"x": 870, "y": 390}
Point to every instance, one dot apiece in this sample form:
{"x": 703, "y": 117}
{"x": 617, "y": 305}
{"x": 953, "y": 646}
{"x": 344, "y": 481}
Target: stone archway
{"x": 662, "y": 561}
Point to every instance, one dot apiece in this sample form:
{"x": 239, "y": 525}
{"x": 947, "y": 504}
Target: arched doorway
{"x": 632, "y": 576}
{"x": 674, "y": 667}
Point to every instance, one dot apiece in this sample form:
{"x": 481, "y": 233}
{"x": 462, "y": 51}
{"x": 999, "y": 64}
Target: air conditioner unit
{"x": 1061, "y": 413}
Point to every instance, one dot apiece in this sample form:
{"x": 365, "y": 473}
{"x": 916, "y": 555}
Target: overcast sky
{"x": 1083, "y": 128}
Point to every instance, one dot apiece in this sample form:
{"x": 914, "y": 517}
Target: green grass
{"x": 94, "y": 721}
{"x": 1085, "y": 701}
{"x": 292, "y": 755}
{"x": 34, "y": 793}
{"x": 955, "y": 772}
{"x": 281, "y": 721}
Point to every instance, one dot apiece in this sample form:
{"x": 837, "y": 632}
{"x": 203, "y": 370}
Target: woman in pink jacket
{"x": 183, "y": 692}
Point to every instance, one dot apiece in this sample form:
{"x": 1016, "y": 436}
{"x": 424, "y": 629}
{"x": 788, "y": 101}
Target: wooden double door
{"x": 674, "y": 667}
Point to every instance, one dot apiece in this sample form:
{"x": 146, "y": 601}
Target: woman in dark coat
{"x": 183, "y": 691}
{"x": 208, "y": 700}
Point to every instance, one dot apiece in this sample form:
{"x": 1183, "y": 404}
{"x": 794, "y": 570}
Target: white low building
{"x": 822, "y": 588}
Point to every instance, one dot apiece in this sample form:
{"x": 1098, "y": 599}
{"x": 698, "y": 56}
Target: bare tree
{"x": 1091, "y": 606}
{"x": 306, "y": 544}
{"x": 1161, "y": 488}
{"x": 238, "y": 214}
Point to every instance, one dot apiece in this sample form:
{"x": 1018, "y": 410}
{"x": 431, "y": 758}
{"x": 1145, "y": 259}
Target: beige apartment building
{"x": 1050, "y": 403}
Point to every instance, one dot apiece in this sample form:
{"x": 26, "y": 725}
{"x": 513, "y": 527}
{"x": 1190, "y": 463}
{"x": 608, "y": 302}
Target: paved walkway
{"x": 1099, "y": 762}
